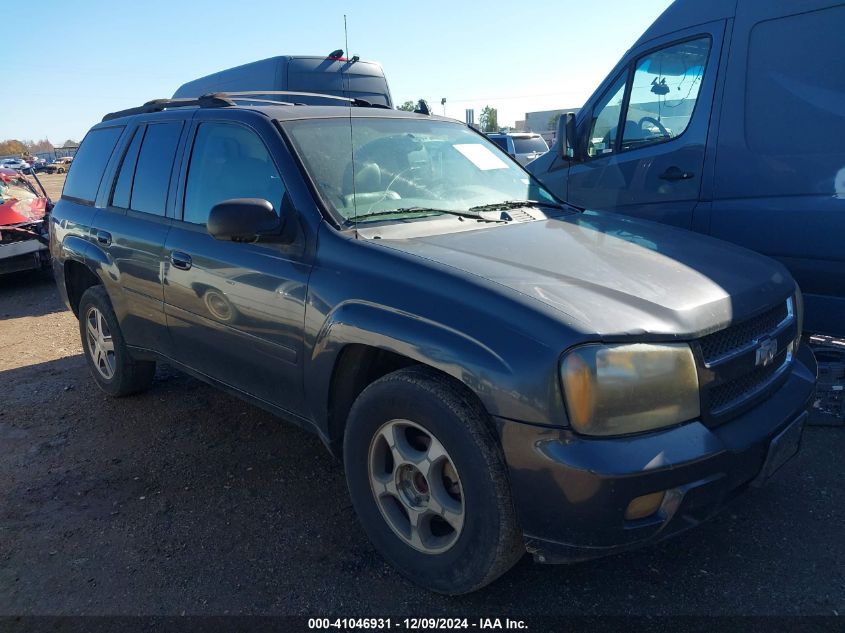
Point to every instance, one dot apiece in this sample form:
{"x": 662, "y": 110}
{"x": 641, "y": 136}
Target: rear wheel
{"x": 428, "y": 482}
{"x": 108, "y": 358}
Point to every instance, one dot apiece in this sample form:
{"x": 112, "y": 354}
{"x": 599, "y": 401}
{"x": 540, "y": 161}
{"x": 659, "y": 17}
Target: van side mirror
{"x": 245, "y": 220}
{"x": 566, "y": 134}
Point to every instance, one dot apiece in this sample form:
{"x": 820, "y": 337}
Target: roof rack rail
{"x": 225, "y": 99}
{"x": 293, "y": 93}
{"x": 214, "y": 100}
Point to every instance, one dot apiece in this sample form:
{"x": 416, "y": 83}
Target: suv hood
{"x": 616, "y": 276}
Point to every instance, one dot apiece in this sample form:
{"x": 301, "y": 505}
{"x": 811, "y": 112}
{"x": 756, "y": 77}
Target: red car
{"x": 24, "y": 224}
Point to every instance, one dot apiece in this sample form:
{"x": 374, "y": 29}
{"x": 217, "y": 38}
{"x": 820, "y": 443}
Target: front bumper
{"x": 571, "y": 492}
{"x": 23, "y": 255}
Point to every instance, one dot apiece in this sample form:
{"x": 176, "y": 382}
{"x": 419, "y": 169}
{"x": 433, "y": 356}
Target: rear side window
{"x": 794, "y": 92}
{"x": 155, "y": 162}
{"x": 526, "y": 145}
{"x": 90, "y": 162}
{"x": 228, "y": 161}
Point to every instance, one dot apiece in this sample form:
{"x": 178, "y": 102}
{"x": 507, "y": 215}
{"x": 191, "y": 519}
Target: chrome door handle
{"x": 103, "y": 237}
{"x": 182, "y": 261}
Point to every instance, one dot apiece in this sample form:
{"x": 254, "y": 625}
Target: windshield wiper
{"x": 516, "y": 204}
{"x": 429, "y": 211}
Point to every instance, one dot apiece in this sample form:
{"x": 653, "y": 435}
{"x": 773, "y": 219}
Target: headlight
{"x": 619, "y": 389}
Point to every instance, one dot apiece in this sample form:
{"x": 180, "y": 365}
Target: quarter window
{"x": 606, "y": 120}
{"x": 664, "y": 92}
{"x": 228, "y": 161}
{"x": 90, "y": 162}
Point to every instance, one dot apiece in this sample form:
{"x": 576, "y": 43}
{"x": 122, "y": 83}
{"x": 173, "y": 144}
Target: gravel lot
{"x": 186, "y": 500}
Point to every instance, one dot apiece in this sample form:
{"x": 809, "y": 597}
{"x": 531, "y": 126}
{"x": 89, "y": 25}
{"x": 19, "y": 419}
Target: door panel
{"x": 650, "y": 164}
{"x": 237, "y": 314}
{"x": 235, "y": 311}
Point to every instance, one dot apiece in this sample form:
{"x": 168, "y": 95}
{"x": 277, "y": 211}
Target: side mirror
{"x": 244, "y": 220}
{"x": 566, "y": 134}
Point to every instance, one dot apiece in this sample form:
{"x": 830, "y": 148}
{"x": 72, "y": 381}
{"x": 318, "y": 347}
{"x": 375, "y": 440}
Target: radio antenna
{"x": 345, "y": 35}
{"x": 351, "y": 137}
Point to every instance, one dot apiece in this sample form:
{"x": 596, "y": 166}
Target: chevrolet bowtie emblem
{"x": 766, "y": 352}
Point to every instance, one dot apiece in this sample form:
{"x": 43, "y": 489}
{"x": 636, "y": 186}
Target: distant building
{"x": 541, "y": 122}
{"x": 519, "y": 126}
{"x": 66, "y": 150}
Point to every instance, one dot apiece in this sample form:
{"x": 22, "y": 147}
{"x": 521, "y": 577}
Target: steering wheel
{"x": 657, "y": 124}
{"x": 408, "y": 183}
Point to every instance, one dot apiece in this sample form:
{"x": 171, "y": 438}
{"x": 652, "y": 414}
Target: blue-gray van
{"x": 726, "y": 117}
{"x": 333, "y": 75}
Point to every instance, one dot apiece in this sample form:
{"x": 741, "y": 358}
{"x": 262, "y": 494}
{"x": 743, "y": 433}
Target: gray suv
{"x": 499, "y": 372}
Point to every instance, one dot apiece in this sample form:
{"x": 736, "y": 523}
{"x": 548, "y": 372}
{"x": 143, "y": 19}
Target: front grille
{"x": 729, "y": 394}
{"x": 720, "y": 344}
{"x": 732, "y": 373}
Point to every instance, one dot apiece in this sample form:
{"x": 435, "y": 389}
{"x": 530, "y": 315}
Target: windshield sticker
{"x": 480, "y": 156}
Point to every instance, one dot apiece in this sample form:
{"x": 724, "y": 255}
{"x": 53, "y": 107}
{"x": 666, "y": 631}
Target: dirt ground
{"x": 186, "y": 500}
{"x": 53, "y": 184}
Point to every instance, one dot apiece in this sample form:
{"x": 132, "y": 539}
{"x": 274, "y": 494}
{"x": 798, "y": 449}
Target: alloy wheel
{"x": 100, "y": 343}
{"x": 416, "y": 486}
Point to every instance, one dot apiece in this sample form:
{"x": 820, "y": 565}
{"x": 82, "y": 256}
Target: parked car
{"x": 60, "y": 165}
{"x": 523, "y": 146}
{"x": 23, "y": 224}
{"x": 37, "y": 164}
{"x": 745, "y": 147}
{"x": 14, "y": 163}
{"x": 332, "y": 75}
{"x": 501, "y": 372}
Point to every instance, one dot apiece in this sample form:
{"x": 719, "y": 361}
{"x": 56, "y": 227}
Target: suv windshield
{"x": 408, "y": 165}
{"x": 528, "y": 144}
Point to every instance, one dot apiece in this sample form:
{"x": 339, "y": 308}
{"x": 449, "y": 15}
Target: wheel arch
{"x": 359, "y": 343}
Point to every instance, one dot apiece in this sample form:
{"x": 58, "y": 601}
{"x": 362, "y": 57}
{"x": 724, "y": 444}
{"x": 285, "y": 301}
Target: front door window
{"x": 664, "y": 93}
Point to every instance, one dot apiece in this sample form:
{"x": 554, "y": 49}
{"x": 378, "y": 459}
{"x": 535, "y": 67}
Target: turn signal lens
{"x": 644, "y": 506}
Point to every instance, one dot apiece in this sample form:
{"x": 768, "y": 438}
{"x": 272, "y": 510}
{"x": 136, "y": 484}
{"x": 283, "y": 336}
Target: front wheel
{"x": 428, "y": 482}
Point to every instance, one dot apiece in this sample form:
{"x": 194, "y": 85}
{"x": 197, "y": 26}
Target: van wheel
{"x": 108, "y": 358}
{"x": 428, "y": 482}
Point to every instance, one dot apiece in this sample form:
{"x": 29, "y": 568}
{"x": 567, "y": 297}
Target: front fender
{"x": 456, "y": 353}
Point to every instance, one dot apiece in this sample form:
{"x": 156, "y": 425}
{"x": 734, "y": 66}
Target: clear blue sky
{"x": 92, "y": 57}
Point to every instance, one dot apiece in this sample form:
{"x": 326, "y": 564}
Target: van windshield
{"x": 407, "y": 164}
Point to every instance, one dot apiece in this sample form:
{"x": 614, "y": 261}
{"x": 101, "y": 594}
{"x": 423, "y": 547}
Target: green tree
{"x": 408, "y": 106}
{"x": 489, "y": 119}
{"x": 12, "y": 146}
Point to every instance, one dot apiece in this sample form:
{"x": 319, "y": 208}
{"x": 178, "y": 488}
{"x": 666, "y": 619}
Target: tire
{"x": 428, "y": 413}
{"x": 109, "y": 361}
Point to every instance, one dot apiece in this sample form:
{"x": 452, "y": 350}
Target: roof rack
{"x": 226, "y": 99}
{"x": 215, "y": 100}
